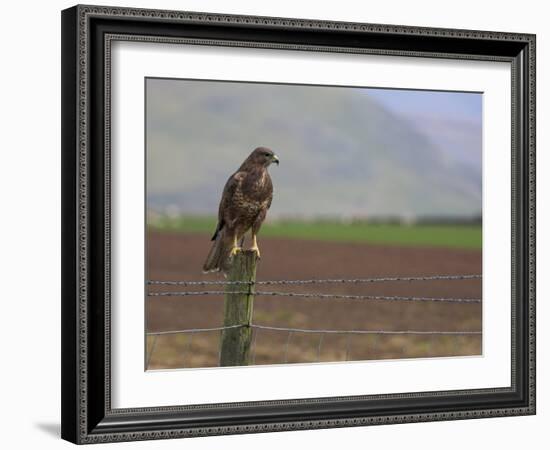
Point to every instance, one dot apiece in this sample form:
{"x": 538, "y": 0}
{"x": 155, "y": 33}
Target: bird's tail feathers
{"x": 217, "y": 232}
{"x": 218, "y": 257}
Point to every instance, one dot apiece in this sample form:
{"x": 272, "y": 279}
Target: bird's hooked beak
{"x": 275, "y": 159}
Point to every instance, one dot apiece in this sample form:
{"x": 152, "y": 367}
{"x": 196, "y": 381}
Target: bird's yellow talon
{"x": 234, "y": 251}
{"x": 256, "y": 250}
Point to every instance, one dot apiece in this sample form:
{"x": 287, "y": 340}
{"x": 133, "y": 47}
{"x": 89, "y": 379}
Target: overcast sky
{"x": 348, "y": 151}
{"x": 446, "y": 118}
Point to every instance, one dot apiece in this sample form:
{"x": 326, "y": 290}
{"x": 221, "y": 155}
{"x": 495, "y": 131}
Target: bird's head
{"x": 263, "y": 156}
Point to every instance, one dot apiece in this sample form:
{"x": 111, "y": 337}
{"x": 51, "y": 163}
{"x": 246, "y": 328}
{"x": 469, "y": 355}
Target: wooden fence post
{"x": 237, "y": 310}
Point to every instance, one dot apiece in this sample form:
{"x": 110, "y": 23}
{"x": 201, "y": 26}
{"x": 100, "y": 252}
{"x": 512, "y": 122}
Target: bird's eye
{"x": 266, "y": 154}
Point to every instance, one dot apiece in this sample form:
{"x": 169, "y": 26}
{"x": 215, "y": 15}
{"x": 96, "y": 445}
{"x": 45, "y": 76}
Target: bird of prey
{"x": 245, "y": 200}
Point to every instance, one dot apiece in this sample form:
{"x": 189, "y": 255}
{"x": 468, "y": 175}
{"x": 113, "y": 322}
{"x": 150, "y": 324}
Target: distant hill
{"x": 341, "y": 152}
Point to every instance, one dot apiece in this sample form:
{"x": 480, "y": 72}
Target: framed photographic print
{"x": 277, "y": 224}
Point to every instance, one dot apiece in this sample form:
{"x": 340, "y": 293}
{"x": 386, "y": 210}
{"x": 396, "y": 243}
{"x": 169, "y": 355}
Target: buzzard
{"x": 245, "y": 200}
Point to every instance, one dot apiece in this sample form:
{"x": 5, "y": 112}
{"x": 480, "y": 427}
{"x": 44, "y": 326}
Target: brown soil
{"x": 176, "y": 256}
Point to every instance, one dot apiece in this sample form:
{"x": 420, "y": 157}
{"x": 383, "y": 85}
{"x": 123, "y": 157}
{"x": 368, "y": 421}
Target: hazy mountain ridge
{"x": 341, "y": 152}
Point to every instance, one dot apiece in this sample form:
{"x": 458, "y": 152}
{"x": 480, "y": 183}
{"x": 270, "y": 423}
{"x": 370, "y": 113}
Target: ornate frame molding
{"x": 80, "y": 418}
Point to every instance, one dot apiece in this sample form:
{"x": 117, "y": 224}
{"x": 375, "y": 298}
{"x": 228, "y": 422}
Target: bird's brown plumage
{"x": 245, "y": 200}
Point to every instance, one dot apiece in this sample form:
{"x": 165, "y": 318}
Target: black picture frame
{"x": 87, "y": 416}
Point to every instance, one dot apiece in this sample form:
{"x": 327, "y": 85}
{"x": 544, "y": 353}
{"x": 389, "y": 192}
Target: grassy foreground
{"x": 453, "y": 236}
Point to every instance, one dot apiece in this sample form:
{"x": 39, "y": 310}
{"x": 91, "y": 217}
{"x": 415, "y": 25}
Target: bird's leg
{"x": 235, "y": 248}
{"x": 254, "y": 247}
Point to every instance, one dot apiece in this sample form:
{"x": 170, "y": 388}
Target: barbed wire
{"x": 321, "y": 332}
{"x": 315, "y": 281}
{"x": 369, "y": 297}
{"x": 188, "y": 293}
{"x": 316, "y": 295}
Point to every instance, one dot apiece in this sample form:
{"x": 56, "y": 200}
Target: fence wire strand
{"x": 291, "y": 331}
{"x": 193, "y": 330}
{"x": 392, "y": 332}
{"x": 308, "y": 330}
{"x": 316, "y": 295}
{"x": 314, "y": 281}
